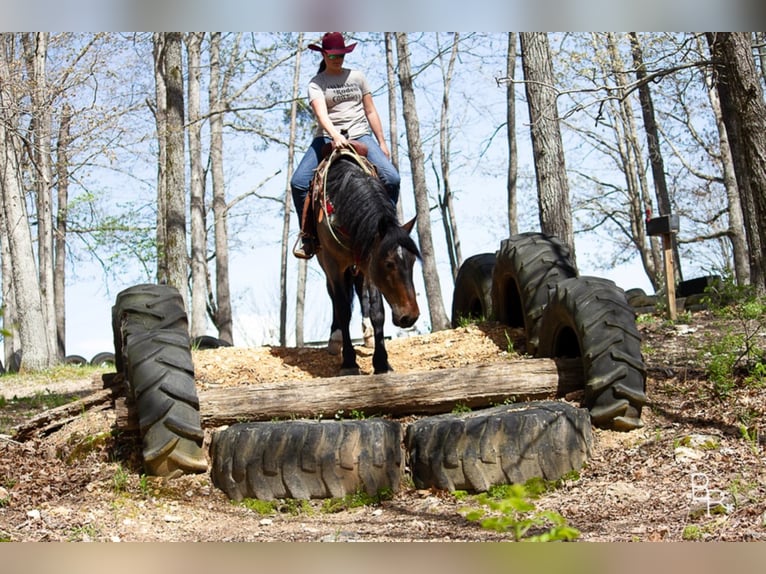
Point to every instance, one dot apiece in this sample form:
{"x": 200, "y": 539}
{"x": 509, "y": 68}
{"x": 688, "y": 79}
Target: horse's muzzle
{"x": 405, "y": 321}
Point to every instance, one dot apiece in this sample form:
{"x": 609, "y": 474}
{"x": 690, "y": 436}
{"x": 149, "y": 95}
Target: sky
{"x": 255, "y": 267}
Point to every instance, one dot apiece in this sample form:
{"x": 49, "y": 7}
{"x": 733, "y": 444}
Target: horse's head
{"x": 390, "y": 270}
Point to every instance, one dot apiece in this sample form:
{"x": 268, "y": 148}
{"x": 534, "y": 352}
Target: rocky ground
{"x": 84, "y": 482}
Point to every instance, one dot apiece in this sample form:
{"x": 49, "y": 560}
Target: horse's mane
{"x": 363, "y": 210}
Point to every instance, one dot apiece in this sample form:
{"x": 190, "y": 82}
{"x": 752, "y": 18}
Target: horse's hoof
{"x": 335, "y": 344}
{"x": 350, "y": 371}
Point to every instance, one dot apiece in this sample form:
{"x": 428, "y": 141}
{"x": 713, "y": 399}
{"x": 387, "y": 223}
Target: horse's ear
{"x": 409, "y": 225}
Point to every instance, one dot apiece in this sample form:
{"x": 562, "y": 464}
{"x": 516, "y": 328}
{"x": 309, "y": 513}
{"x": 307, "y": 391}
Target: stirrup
{"x": 305, "y": 246}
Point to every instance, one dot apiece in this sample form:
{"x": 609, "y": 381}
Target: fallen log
{"x": 53, "y": 419}
{"x": 396, "y": 394}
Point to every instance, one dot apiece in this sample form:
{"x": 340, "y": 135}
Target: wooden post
{"x": 666, "y": 226}
{"x": 670, "y": 274}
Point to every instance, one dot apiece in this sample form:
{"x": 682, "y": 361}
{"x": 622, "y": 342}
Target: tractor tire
{"x": 527, "y": 266}
{"x": 160, "y": 376}
{"x": 501, "y": 445}
{"x": 307, "y": 459}
{"x": 101, "y": 359}
{"x": 589, "y": 318}
{"x": 472, "y": 298}
{"x": 76, "y": 360}
{"x": 142, "y": 308}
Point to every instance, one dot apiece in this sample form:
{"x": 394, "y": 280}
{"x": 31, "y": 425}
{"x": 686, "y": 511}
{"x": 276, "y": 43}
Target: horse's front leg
{"x": 378, "y": 318}
{"x": 342, "y": 297}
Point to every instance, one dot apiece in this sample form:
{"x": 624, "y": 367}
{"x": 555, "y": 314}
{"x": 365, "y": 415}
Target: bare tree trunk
{"x": 10, "y": 325}
{"x": 550, "y": 168}
{"x": 222, "y": 317}
{"x": 653, "y": 143}
{"x": 744, "y": 114}
{"x": 176, "y": 253}
{"x": 445, "y": 203}
{"x": 736, "y": 231}
{"x": 33, "y": 329}
{"x": 288, "y": 198}
{"x": 161, "y": 120}
{"x": 513, "y": 155}
{"x": 439, "y": 319}
{"x": 37, "y": 53}
{"x": 198, "y": 309}
{"x": 637, "y": 186}
{"x": 392, "y": 121}
{"x": 62, "y": 178}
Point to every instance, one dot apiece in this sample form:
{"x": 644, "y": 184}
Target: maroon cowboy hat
{"x": 333, "y": 43}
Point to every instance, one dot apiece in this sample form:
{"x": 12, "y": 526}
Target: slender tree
{"x": 439, "y": 319}
{"x": 197, "y": 211}
{"x": 62, "y": 211}
{"x": 653, "y": 142}
{"x": 513, "y": 154}
{"x": 286, "y": 215}
{"x": 445, "y": 201}
{"x": 393, "y": 129}
{"x": 36, "y": 49}
{"x": 547, "y": 147}
{"x": 220, "y": 306}
{"x": 35, "y": 340}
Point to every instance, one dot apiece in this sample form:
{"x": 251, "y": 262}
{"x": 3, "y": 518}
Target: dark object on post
{"x": 666, "y": 226}
{"x": 661, "y": 225}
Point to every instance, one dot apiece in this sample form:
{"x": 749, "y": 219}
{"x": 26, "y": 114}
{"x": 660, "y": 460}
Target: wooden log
{"x": 53, "y": 419}
{"x": 396, "y": 394}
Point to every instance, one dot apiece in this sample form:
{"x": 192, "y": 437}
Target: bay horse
{"x": 363, "y": 248}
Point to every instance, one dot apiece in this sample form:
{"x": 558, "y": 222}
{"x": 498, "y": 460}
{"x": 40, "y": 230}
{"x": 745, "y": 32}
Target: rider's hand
{"x": 339, "y": 140}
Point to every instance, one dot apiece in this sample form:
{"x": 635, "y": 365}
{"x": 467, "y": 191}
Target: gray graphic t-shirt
{"x": 343, "y": 96}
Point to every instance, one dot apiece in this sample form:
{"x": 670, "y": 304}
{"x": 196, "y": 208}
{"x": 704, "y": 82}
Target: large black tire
{"x": 153, "y": 351}
{"x": 101, "y": 359}
{"x": 77, "y": 360}
{"x": 501, "y": 445}
{"x": 527, "y": 266}
{"x": 473, "y": 289}
{"x": 307, "y": 459}
{"x": 160, "y": 376}
{"x": 589, "y": 318}
{"x": 143, "y": 308}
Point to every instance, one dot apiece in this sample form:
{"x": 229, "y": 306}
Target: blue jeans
{"x": 304, "y": 173}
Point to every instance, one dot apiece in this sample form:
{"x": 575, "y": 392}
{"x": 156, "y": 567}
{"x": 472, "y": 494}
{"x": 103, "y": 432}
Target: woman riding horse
{"x": 342, "y": 102}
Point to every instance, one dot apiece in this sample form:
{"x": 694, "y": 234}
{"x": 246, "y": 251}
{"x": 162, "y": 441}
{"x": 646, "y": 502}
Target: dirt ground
{"x": 83, "y": 483}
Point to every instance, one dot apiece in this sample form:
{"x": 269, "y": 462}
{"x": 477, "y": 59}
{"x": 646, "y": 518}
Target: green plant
{"x": 736, "y": 354}
{"x": 509, "y": 347}
{"x": 460, "y": 408}
{"x": 144, "y": 485}
{"x": 509, "y": 508}
{"x": 355, "y": 500}
{"x": 470, "y": 319}
{"x": 262, "y": 507}
{"x": 292, "y": 506}
{"x": 692, "y": 532}
{"x": 750, "y": 435}
{"x": 120, "y": 479}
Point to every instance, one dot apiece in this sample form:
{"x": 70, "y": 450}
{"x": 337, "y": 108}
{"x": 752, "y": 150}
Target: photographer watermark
{"x": 705, "y": 497}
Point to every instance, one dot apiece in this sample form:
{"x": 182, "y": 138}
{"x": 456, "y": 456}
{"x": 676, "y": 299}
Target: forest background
{"x": 462, "y": 84}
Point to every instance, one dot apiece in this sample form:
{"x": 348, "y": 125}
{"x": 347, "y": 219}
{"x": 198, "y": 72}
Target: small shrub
{"x": 692, "y": 532}
{"x": 509, "y": 508}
